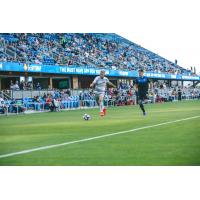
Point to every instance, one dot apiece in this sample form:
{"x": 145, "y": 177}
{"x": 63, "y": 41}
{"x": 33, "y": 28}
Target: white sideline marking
{"x": 92, "y": 138}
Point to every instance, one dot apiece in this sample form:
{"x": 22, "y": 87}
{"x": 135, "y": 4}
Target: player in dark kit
{"x": 142, "y": 86}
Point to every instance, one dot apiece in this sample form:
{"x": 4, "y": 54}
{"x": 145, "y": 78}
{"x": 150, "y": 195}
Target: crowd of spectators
{"x": 104, "y": 50}
{"x": 164, "y": 93}
{"x": 24, "y": 85}
{"x": 63, "y": 99}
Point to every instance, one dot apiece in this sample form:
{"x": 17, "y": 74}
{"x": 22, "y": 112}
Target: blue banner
{"x": 87, "y": 70}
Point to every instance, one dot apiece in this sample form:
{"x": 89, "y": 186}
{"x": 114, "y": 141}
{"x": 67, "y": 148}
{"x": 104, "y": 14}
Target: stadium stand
{"x": 123, "y": 95}
{"x": 91, "y": 49}
{"x": 88, "y": 50}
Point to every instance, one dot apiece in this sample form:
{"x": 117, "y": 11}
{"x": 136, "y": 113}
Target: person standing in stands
{"x": 179, "y": 94}
{"x": 21, "y": 85}
{"x": 38, "y": 87}
{"x": 11, "y": 85}
{"x": 141, "y": 87}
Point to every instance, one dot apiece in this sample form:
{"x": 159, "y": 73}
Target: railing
{"x": 33, "y": 107}
{"x": 5, "y": 95}
{"x": 173, "y": 98}
{"x": 95, "y": 61}
{"x": 20, "y": 94}
{"x": 10, "y": 52}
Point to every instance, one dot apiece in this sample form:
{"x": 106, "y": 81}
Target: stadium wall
{"x": 63, "y": 77}
{"x": 87, "y": 70}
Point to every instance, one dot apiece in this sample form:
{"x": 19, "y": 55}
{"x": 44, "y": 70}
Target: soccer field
{"x": 168, "y": 135}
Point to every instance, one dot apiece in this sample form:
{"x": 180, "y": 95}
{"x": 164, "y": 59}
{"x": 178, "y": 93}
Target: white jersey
{"x": 100, "y": 84}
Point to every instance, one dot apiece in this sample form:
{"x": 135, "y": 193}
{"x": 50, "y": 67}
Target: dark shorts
{"x": 142, "y": 96}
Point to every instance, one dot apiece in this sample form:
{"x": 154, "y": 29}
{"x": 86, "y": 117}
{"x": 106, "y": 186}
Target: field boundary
{"x": 92, "y": 138}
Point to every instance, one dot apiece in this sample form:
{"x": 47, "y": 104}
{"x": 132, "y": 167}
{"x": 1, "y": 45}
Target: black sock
{"x": 142, "y": 107}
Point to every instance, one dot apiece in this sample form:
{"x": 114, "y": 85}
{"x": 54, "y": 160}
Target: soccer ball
{"x": 86, "y": 117}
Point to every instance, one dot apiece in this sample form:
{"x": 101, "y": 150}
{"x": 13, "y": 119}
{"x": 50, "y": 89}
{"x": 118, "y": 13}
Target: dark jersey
{"x": 179, "y": 92}
{"x": 143, "y": 84}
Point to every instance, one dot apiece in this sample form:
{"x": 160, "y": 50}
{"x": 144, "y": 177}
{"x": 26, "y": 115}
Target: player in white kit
{"x": 100, "y": 83}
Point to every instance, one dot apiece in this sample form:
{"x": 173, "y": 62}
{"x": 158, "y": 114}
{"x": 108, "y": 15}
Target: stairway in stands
{"x": 5, "y": 95}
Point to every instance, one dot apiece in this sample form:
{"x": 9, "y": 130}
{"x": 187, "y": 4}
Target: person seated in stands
{"x": 44, "y": 96}
{"x": 3, "y": 107}
{"x": 37, "y": 99}
{"x": 198, "y": 95}
{"x": 37, "y": 102}
{"x": 159, "y": 99}
{"x": 17, "y": 107}
{"x": 174, "y": 94}
{"x": 48, "y": 102}
{"x": 68, "y": 92}
{"x": 54, "y": 105}
{"x": 37, "y": 61}
{"x": 112, "y": 100}
{"x": 118, "y": 100}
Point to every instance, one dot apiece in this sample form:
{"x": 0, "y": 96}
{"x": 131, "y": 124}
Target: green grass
{"x": 170, "y": 144}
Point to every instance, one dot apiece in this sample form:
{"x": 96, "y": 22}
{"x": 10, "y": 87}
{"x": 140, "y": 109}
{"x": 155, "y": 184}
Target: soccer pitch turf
{"x": 174, "y": 143}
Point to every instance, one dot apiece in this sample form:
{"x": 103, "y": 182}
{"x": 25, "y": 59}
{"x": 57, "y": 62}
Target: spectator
{"x": 49, "y": 87}
{"x": 107, "y": 50}
{"x": 38, "y": 87}
{"x": 3, "y": 107}
{"x": 16, "y": 86}
{"x": 44, "y": 96}
{"x": 11, "y": 85}
{"x": 179, "y": 94}
{"x": 22, "y": 85}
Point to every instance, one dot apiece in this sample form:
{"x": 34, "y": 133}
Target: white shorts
{"x": 98, "y": 95}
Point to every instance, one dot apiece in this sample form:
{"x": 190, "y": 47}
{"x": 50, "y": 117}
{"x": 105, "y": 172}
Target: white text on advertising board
{"x": 122, "y": 73}
{"x": 190, "y": 77}
{"x": 35, "y": 68}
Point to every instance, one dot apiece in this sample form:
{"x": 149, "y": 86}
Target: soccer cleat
{"x": 101, "y": 114}
{"x": 104, "y": 111}
{"x": 144, "y": 113}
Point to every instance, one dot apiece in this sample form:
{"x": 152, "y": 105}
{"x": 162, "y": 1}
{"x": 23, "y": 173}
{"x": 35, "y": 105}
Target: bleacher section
{"x": 105, "y": 50}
